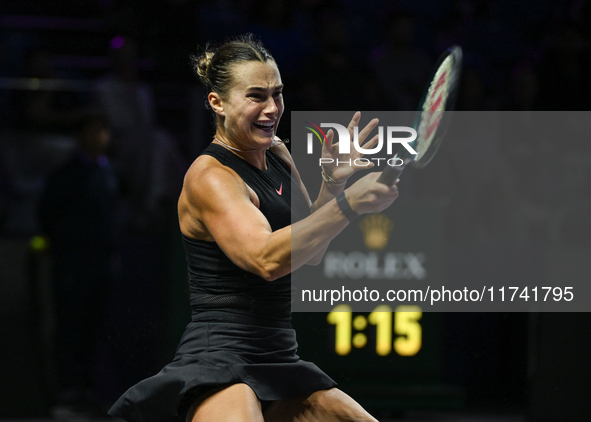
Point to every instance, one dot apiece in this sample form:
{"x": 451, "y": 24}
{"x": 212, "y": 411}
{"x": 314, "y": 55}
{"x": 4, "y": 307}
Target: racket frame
{"x": 391, "y": 173}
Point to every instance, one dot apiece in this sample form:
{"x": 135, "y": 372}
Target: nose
{"x": 271, "y": 107}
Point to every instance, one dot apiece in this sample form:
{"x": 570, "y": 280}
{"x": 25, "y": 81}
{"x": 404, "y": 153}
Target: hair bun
{"x": 213, "y": 66}
{"x": 202, "y": 65}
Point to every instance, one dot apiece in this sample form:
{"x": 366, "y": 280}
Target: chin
{"x": 266, "y": 139}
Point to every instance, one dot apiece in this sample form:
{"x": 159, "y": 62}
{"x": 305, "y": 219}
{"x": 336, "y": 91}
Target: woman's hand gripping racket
{"x": 431, "y": 121}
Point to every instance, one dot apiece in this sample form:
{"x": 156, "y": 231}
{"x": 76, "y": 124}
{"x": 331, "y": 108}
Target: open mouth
{"x": 265, "y": 126}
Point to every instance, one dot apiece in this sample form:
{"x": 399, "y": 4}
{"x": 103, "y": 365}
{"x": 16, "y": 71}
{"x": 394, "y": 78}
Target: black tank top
{"x": 220, "y": 290}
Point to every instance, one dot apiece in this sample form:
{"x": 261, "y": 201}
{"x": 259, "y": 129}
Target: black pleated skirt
{"x": 217, "y": 354}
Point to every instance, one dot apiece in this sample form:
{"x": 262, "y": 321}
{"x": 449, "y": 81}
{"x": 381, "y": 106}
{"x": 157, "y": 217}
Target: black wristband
{"x": 346, "y": 209}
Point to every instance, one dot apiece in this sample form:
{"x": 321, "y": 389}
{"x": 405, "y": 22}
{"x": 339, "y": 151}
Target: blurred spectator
{"x": 487, "y": 33}
{"x": 473, "y": 94}
{"x": 219, "y": 19}
{"x": 533, "y": 144}
{"x": 38, "y": 140}
{"x": 401, "y": 69}
{"x": 524, "y": 88}
{"x": 563, "y": 72}
{"x": 77, "y": 214}
{"x": 472, "y": 173}
{"x": 285, "y": 30}
{"x": 145, "y": 157}
{"x": 43, "y": 110}
{"x": 334, "y": 79}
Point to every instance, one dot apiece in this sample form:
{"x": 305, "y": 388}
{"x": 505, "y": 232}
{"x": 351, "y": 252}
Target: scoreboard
{"x": 388, "y": 357}
{"x": 386, "y": 360}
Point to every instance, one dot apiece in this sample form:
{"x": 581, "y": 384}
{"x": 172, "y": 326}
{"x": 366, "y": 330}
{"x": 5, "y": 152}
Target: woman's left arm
{"x": 334, "y": 176}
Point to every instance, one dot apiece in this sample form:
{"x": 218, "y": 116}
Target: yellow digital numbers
{"x": 381, "y": 317}
{"x": 406, "y": 326}
{"x": 410, "y": 332}
{"x": 341, "y": 316}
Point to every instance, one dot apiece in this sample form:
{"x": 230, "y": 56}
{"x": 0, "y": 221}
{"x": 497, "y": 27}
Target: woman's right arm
{"x": 217, "y": 205}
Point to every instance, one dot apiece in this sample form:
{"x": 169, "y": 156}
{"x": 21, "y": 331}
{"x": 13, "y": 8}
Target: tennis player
{"x": 237, "y": 359}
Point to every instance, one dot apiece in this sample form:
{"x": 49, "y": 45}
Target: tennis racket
{"x": 431, "y": 121}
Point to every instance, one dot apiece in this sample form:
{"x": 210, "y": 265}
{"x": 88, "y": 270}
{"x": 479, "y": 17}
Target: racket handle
{"x": 390, "y": 174}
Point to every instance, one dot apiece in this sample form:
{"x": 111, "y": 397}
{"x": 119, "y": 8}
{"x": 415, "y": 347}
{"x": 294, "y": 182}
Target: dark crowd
{"x": 129, "y": 61}
{"x": 100, "y": 117}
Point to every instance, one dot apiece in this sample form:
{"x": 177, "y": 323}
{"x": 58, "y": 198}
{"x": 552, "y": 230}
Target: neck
{"x": 256, "y": 157}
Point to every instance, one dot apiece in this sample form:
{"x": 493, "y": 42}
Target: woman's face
{"x": 253, "y": 106}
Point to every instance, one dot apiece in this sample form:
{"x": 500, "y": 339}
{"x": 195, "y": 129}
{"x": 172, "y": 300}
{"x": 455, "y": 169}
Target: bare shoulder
{"x": 207, "y": 184}
{"x": 282, "y": 152}
{"x": 208, "y": 173}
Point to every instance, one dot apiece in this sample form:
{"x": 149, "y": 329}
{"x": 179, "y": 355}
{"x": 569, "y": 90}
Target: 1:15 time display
{"x": 404, "y": 322}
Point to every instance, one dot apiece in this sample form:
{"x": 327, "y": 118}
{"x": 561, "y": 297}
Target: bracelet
{"x": 345, "y": 207}
{"x": 329, "y": 179}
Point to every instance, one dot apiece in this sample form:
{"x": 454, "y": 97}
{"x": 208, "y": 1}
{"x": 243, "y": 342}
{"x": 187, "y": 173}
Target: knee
{"x": 332, "y": 399}
{"x": 338, "y": 405}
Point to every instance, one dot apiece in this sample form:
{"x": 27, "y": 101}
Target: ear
{"x": 216, "y": 103}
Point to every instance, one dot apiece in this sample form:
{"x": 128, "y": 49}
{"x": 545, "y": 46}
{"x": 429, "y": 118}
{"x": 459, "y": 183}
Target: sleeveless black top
{"x": 241, "y": 330}
{"x": 220, "y": 290}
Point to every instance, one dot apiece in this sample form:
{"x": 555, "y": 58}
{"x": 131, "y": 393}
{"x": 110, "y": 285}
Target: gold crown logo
{"x": 376, "y": 230}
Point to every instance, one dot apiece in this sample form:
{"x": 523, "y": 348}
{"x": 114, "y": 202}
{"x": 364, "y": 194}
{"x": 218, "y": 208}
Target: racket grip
{"x": 390, "y": 174}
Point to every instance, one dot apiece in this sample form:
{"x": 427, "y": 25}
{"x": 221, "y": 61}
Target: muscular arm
{"x": 326, "y": 194}
{"x": 217, "y": 205}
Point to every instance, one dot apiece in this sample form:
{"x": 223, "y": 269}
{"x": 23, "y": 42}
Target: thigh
{"x": 236, "y": 403}
{"x": 326, "y": 405}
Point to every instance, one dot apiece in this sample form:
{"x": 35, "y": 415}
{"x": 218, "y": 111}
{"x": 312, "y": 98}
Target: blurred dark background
{"x": 100, "y": 116}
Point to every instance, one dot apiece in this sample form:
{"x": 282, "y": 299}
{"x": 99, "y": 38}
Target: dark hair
{"x": 214, "y": 66}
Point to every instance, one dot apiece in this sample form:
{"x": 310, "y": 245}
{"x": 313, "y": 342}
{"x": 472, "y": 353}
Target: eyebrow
{"x": 259, "y": 88}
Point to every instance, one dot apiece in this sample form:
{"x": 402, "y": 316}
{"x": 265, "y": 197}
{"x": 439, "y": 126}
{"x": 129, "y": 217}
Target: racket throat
{"x": 394, "y": 168}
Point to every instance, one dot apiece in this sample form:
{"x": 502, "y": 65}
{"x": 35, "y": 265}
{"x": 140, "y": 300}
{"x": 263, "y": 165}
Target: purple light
{"x": 117, "y": 42}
